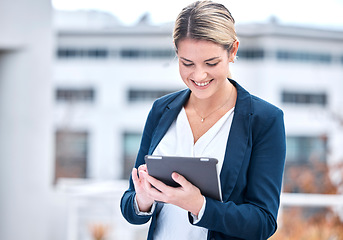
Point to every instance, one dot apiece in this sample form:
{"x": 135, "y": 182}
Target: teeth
{"x": 202, "y": 84}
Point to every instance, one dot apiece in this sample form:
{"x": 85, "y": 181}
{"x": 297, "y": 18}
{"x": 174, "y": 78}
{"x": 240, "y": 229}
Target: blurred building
{"x": 79, "y": 132}
{"x": 299, "y": 69}
{"x": 107, "y": 76}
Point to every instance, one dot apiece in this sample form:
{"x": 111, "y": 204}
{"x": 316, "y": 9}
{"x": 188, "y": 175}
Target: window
{"x": 75, "y": 95}
{"x": 304, "y": 98}
{"x": 136, "y": 95}
{"x": 302, "y": 149}
{"x": 97, "y": 53}
{"x": 303, "y": 56}
{"x": 306, "y": 167}
{"x": 71, "y": 154}
{"x": 250, "y": 54}
{"x": 147, "y": 53}
{"x": 131, "y": 145}
{"x": 103, "y": 53}
{"x": 82, "y": 53}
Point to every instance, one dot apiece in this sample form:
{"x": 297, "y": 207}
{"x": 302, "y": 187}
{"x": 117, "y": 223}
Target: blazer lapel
{"x": 171, "y": 112}
{"x": 237, "y": 142}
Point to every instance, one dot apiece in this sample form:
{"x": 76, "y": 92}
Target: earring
{"x": 233, "y": 60}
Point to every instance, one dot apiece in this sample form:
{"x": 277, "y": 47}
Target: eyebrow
{"x": 210, "y": 59}
{"x": 207, "y": 60}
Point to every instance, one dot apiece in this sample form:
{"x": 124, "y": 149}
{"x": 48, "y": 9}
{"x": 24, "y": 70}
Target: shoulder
{"x": 252, "y": 105}
{"x": 264, "y": 109}
{"x": 266, "y": 118}
{"x": 267, "y": 121}
{"x": 261, "y": 114}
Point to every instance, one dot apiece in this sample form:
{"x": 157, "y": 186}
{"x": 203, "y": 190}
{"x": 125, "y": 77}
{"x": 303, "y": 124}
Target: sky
{"x": 322, "y": 13}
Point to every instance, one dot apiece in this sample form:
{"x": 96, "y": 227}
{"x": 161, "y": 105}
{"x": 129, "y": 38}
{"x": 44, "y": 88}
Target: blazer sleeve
{"x": 255, "y": 216}
{"x": 127, "y": 200}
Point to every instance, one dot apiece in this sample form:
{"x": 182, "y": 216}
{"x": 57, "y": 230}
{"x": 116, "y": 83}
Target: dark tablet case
{"x": 200, "y": 171}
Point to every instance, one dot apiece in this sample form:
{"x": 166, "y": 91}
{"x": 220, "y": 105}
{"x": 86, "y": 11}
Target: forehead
{"x": 200, "y": 49}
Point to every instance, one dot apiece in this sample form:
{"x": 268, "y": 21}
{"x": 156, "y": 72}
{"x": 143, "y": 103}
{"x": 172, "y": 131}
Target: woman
{"x": 214, "y": 117}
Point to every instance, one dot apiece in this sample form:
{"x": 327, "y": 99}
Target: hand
{"x": 143, "y": 200}
{"x": 187, "y": 196}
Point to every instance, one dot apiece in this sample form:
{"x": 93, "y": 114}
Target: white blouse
{"x": 172, "y": 222}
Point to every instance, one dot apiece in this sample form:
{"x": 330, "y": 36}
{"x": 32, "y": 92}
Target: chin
{"x": 201, "y": 94}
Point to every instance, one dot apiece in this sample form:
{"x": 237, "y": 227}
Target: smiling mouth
{"x": 203, "y": 84}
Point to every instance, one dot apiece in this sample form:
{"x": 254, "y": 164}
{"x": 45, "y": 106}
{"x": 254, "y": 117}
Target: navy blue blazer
{"x": 251, "y": 174}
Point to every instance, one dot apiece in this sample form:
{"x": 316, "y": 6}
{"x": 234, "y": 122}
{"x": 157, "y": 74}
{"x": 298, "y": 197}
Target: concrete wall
{"x": 26, "y": 45}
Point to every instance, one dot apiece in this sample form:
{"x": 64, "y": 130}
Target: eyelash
{"x": 191, "y": 64}
{"x": 187, "y": 65}
{"x": 212, "y": 64}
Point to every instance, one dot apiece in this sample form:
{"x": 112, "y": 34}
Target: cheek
{"x": 184, "y": 73}
{"x": 224, "y": 71}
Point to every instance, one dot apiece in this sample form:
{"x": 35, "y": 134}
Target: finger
{"x": 149, "y": 182}
{"x": 135, "y": 179}
{"x": 134, "y": 175}
{"x": 157, "y": 183}
{"x": 142, "y": 167}
{"x": 153, "y": 192}
{"x": 180, "y": 180}
{"x": 143, "y": 175}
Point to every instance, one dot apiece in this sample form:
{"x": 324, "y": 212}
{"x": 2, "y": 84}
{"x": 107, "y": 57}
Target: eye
{"x": 187, "y": 64}
{"x": 212, "y": 64}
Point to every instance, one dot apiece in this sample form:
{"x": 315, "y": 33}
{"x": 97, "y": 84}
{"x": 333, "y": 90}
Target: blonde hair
{"x": 206, "y": 20}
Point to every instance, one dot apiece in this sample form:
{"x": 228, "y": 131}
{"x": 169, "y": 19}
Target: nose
{"x": 199, "y": 74}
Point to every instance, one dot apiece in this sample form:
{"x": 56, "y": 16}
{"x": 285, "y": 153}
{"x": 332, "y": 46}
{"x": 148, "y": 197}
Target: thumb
{"x": 180, "y": 179}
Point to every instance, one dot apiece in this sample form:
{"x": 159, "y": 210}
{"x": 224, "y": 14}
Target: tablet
{"x": 200, "y": 171}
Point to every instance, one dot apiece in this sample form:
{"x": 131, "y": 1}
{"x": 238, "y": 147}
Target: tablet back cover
{"x": 200, "y": 171}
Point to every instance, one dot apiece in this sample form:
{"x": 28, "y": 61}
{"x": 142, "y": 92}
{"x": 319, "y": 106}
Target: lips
{"x": 202, "y": 84}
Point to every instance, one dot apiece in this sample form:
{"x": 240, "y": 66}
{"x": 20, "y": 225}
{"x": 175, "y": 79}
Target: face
{"x": 204, "y": 66}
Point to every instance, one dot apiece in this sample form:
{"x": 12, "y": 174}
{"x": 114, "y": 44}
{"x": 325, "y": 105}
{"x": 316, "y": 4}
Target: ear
{"x": 233, "y": 51}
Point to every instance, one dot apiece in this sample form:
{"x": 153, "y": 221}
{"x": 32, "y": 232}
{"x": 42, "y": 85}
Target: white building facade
{"x": 123, "y": 69}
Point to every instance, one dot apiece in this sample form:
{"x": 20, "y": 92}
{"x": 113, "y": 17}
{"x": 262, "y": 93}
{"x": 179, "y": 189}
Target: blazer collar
{"x": 180, "y": 101}
{"x": 243, "y": 102}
